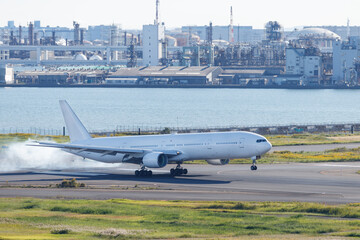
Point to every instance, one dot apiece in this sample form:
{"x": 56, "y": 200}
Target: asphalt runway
{"x": 316, "y": 182}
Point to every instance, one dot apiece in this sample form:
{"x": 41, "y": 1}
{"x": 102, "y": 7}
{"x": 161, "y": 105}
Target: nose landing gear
{"x": 253, "y": 166}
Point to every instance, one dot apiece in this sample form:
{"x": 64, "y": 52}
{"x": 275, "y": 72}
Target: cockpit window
{"x": 261, "y": 140}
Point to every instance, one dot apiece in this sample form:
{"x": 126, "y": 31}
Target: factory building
{"x": 316, "y": 37}
{"x": 346, "y": 55}
{"x": 343, "y": 31}
{"x": 164, "y": 75}
{"x": 6, "y": 75}
{"x": 61, "y": 77}
{"x": 153, "y": 44}
{"x": 304, "y": 62}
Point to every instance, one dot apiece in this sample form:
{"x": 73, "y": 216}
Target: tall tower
{"x": 231, "y": 27}
{"x": 157, "y": 12}
{"x": 31, "y": 33}
{"x": 348, "y": 29}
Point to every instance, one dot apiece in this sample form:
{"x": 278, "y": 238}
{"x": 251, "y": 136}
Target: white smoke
{"x": 19, "y": 156}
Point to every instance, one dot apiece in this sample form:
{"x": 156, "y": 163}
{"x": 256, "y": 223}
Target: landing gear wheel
{"x": 178, "y": 171}
{"x": 143, "y": 173}
{"x": 253, "y": 168}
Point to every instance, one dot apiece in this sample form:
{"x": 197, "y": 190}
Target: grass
{"x": 335, "y": 155}
{"x": 309, "y": 139}
{"x": 130, "y": 219}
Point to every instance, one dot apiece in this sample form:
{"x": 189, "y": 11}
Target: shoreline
{"x": 179, "y": 86}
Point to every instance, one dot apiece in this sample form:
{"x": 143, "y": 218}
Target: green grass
{"x": 308, "y": 139}
{"x": 129, "y": 219}
{"x": 335, "y": 155}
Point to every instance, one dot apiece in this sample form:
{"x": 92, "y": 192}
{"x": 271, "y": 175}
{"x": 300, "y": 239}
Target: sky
{"x": 132, "y": 14}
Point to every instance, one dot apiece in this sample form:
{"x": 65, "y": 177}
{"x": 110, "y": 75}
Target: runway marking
{"x": 338, "y": 165}
{"x": 72, "y": 173}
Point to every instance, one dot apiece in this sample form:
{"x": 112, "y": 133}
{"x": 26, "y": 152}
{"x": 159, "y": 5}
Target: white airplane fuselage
{"x": 196, "y": 146}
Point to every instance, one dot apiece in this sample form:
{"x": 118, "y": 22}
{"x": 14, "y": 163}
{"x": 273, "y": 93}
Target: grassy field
{"x": 335, "y": 155}
{"x": 308, "y": 139}
{"x": 128, "y": 219}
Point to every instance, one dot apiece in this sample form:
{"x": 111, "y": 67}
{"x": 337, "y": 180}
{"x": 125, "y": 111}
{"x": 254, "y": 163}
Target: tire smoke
{"x": 19, "y": 156}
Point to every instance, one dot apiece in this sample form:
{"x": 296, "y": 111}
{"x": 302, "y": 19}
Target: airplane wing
{"x": 100, "y": 149}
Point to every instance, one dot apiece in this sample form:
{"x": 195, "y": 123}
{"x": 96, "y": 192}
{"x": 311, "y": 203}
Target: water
{"x": 112, "y": 108}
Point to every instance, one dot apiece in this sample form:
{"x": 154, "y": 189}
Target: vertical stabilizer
{"x": 75, "y": 128}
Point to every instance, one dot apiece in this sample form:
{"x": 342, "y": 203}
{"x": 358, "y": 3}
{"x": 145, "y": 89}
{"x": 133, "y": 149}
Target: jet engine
{"x": 155, "y": 160}
{"x": 218, "y": 161}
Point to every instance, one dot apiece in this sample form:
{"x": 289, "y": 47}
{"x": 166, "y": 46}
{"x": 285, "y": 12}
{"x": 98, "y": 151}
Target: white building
{"x": 299, "y": 61}
{"x": 153, "y": 39}
{"x": 345, "y": 53}
{"x": 6, "y": 75}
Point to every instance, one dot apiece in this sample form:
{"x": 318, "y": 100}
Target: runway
{"x": 316, "y": 182}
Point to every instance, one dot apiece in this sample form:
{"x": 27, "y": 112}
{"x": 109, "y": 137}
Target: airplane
{"x": 156, "y": 151}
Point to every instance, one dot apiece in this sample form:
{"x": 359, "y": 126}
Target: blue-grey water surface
{"x": 111, "y": 108}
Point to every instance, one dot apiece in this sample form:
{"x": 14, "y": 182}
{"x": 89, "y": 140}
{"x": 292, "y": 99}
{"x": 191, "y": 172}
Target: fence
{"x": 280, "y": 129}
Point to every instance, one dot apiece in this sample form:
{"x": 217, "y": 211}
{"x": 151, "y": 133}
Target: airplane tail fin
{"x": 75, "y": 128}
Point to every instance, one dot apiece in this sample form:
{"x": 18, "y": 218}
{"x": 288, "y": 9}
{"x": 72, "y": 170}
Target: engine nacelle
{"x": 218, "y": 161}
{"x": 155, "y": 160}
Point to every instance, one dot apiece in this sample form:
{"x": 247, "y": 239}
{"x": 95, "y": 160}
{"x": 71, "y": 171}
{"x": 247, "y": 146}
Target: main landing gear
{"x": 178, "y": 171}
{"x": 253, "y": 166}
{"x": 143, "y": 172}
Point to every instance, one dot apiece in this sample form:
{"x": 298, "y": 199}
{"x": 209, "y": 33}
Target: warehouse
{"x": 165, "y": 75}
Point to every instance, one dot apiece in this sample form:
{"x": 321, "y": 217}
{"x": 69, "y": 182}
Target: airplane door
{"x": 241, "y": 142}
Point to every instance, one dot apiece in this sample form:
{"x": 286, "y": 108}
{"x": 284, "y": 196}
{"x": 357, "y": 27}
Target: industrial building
{"x": 165, "y": 75}
{"x": 346, "y": 61}
{"x": 6, "y": 75}
{"x": 305, "y": 63}
{"x": 61, "y": 77}
{"x": 208, "y": 54}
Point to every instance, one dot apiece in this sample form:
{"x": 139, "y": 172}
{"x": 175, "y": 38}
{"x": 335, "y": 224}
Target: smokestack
{"x": 231, "y": 27}
{"x": 157, "y": 12}
{"x": 20, "y": 33}
{"x": 53, "y": 38}
{"x": 82, "y": 37}
{"x": 31, "y": 34}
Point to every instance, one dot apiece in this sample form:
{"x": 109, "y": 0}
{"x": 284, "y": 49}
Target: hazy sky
{"x": 175, "y": 13}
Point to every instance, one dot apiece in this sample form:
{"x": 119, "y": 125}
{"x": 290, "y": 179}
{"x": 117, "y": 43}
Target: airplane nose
{"x": 268, "y": 146}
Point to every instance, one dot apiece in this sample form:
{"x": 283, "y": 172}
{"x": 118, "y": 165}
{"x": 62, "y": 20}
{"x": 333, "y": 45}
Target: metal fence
{"x": 275, "y": 129}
